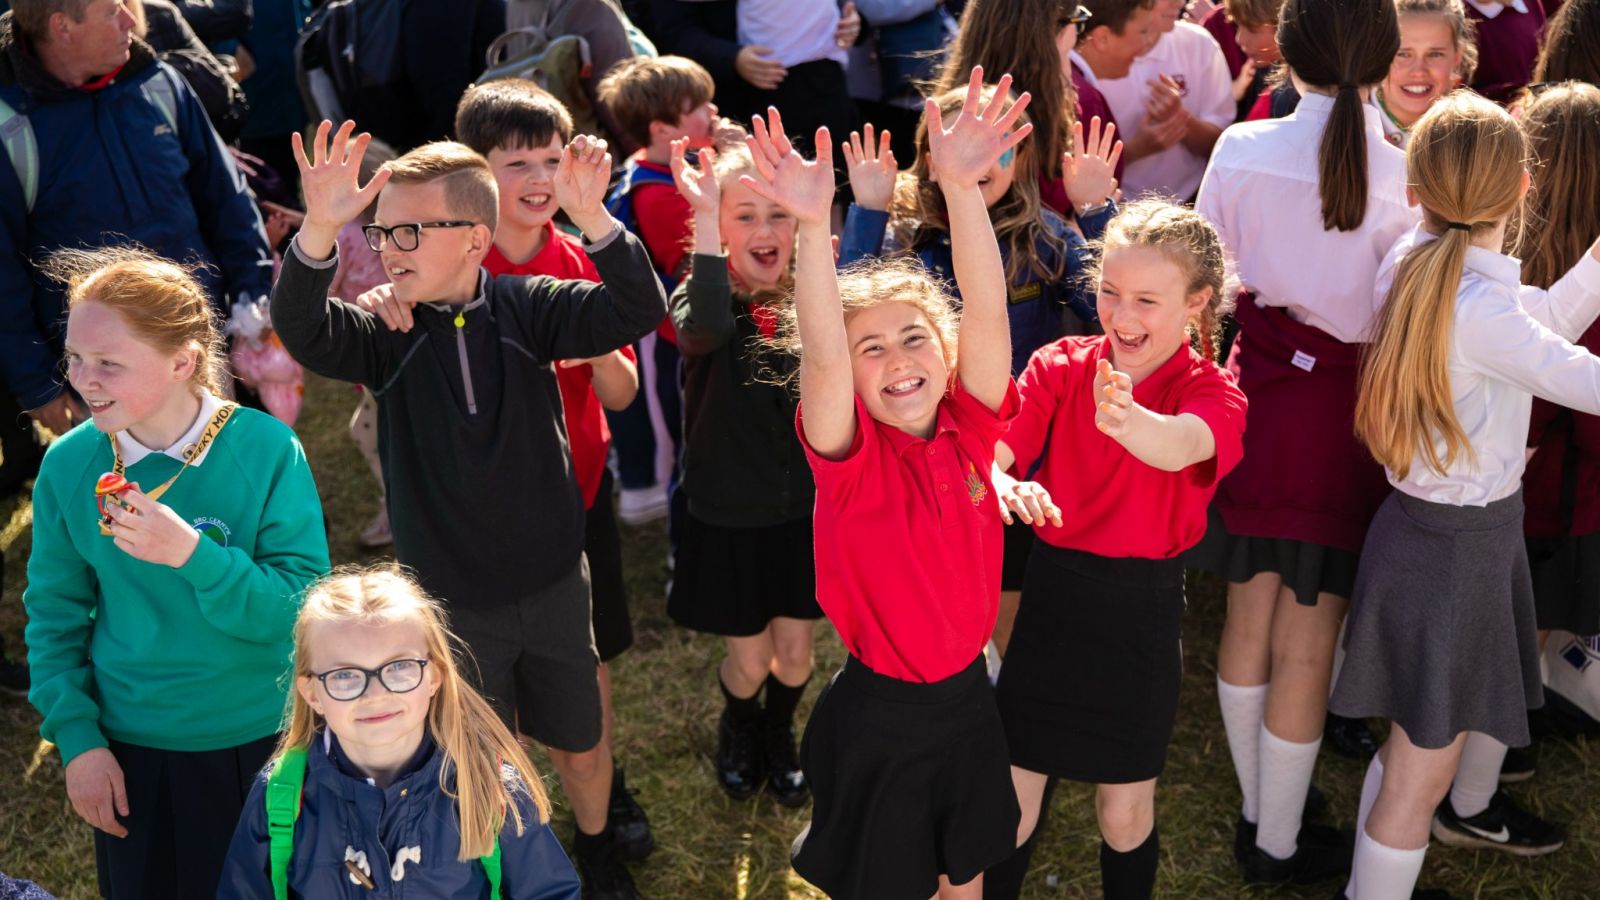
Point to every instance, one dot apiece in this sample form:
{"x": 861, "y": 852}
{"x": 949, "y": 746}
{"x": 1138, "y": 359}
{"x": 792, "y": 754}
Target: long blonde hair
{"x": 474, "y": 742}
{"x": 1464, "y": 163}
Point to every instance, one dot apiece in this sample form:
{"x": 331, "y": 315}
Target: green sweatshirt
{"x": 193, "y": 658}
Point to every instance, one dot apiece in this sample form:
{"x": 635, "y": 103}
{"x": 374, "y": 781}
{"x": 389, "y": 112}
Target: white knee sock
{"x": 1384, "y": 873}
{"x": 1369, "y": 795}
{"x": 1478, "y": 776}
{"x": 1285, "y": 776}
{"x": 1242, "y": 709}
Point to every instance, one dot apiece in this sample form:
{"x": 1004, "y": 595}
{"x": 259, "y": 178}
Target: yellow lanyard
{"x": 190, "y": 454}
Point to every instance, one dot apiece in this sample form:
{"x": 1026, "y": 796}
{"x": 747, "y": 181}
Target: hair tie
{"x": 1349, "y": 86}
{"x": 1458, "y": 226}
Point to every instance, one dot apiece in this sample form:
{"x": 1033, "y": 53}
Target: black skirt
{"x": 1019, "y": 538}
{"x": 1307, "y": 569}
{"x": 734, "y": 581}
{"x": 909, "y": 782}
{"x": 1566, "y": 583}
{"x": 1089, "y": 689}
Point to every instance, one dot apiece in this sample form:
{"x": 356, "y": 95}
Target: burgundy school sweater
{"x": 1508, "y": 47}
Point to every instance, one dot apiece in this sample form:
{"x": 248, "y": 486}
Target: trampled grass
{"x": 710, "y": 848}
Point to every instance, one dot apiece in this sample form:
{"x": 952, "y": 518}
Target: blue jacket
{"x": 1041, "y": 311}
{"x": 340, "y": 811}
{"x": 111, "y": 171}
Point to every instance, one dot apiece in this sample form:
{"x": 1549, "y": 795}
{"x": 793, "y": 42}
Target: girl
{"x": 159, "y": 618}
{"x": 744, "y": 563}
{"x": 1437, "y": 52}
{"x": 1079, "y": 699}
{"x": 1294, "y": 512}
{"x": 395, "y": 769}
{"x": 1441, "y": 636}
{"x": 904, "y": 750}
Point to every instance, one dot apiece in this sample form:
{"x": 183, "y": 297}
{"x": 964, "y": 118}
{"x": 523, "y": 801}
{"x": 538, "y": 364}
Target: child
{"x": 1294, "y": 511}
{"x": 159, "y": 618}
{"x": 744, "y": 562}
{"x": 1508, "y": 46}
{"x": 382, "y": 719}
{"x": 520, "y": 129}
{"x": 1117, "y": 33}
{"x": 1076, "y": 701}
{"x": 904, "y": 750}
{"x": 482, "y": 497}
{"x": 1247, "y": 32}
{"x": 1441, "y": 636}
{"x": 1437, "y": 53}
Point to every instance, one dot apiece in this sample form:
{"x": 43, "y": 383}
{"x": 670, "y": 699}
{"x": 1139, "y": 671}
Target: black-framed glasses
{"x": 405, "y": 236}
{"x": 400, "y": 676}
{"x": 1079, "y": 16}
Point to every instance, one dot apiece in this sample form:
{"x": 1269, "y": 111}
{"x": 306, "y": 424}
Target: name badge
{"x": 1025, "y": 292}
{"x": 1303, "y": 360}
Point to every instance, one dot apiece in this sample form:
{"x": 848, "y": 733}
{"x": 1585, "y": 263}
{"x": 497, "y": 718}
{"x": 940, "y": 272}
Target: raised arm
{"x": 702, "y": 307}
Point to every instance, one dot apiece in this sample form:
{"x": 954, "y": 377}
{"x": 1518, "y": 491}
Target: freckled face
{"x": 898, "y": 364}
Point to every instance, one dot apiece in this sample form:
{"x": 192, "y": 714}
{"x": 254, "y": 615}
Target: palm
{"x": 697, "y": 185}
{"x": 331, "y": 176}
{"x": 784, "y": 177}
{"x": 963, "y": 151}
{"x": 583, "y": 175}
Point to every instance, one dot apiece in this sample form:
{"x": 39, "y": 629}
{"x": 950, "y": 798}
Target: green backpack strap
{"x": 491, "y": 868}
{"x": 16, "y": 134}
{"x": 283, "y": 807}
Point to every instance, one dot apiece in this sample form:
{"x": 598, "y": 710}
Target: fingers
{"x": 675, "y": 160}
{"x": 824, "y": 144}
{"x": 761, "y": 187}
{"x": 1077, "y": 143}
{"x": 761, "y": 147}
{"x": 935, "y": 119}
{"x": 867, "y": 144}
{"x": 974, "y": 91}
{"x": 997, "y": 100}
{"x": 780, "y": 138}
{"x": 1092, "y": 148}
{"x": 1115, "y": 156}
{"x": 885, "y": 148}
{"x": 853, "y": 154}
{"x": 1107, "y": 140}
{"x": 319, "y": 146}
{"x": 1010, "y": 119}
{"x": 708, "y": 159}
{"x": 341, "y": 142}
{"x": 105, "y": 811}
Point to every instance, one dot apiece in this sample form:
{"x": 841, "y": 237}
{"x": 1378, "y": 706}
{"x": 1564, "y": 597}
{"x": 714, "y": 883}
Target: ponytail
{"x": 1342, "y": 163}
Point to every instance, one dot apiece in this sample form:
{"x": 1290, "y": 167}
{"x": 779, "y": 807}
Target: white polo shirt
{"x": 798, "y": 31}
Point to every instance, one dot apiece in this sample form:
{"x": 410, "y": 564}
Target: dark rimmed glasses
{"x": 400, "y": 676}
{"x": 405, "y": 236}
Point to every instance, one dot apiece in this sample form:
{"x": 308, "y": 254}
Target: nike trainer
{"x": 1503, "y": 826}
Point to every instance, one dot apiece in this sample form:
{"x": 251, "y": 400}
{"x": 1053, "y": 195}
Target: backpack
{"x": 619, "y": 203}
{"x": 559, "y": 65}
{"x": 349, "y": 64}
{"x": 221, "y": 96}
{"x": 284, "y": 786}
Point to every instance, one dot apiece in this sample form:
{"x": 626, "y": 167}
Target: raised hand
{"x": 784, "y": 177}
{"x": 582, "y": 178}
{"x": 149, "y": 530}
{"x": 872, "y": 169}
{"x": 963, "y": 152}
{"x": 1091, "y": 166}
{"x": 330, "y": 177}
{"x": 697, "y": 185}
{"x": 1113, "y": 392}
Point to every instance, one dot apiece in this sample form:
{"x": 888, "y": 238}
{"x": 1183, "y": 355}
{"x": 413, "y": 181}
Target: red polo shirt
{"x": 1112, "y": 504}
{"x": 666, "y": 226}
{"x": 587, "y": 432}
{"x": 908, "y": 539}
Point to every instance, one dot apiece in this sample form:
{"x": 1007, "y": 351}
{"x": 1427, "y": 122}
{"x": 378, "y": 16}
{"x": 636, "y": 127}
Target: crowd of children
{"x": 980, "y": 415}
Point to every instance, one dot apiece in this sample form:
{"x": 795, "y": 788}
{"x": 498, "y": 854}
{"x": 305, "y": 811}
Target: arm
{"x": 1200, "y": 136}
{"x": 533, "y": 865}
{"x": 863, "y": 235}
{"x": 702, "y": 306}
{"x": 1507, "y": 343}
{"x": 27, "y": 364}
{"x": 1168, "y": 443}
{"x": 615, "y": 379}
{"x": 1572, "y": 304}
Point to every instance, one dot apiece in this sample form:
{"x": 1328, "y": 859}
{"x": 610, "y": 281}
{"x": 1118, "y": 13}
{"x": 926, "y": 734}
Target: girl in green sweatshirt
{"x": 160, "y": 614}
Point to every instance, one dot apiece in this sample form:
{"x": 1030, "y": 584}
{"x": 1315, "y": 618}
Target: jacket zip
{"x": 466, "y": 371}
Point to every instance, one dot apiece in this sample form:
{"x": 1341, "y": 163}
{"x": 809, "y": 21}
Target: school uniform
{"x": 1441, "y": 635}
{"x": 1091, "y": 102}
{"x": 1509, "y": 35}
{"x": 1090, "y": 686}
{"x": 1300, "y": 501}
{"x": 904, "y": 749}
{"x": 745, "y": 546}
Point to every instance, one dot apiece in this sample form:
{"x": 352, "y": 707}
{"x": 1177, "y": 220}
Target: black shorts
{"x": 1566, "y": 582}
{"x": 1089, "y": 689}
{"x": 734, "y": 581}
{"x": 909, "y": 782}
{"x": 602, "y": 545}
{"x": 535, "y": 661}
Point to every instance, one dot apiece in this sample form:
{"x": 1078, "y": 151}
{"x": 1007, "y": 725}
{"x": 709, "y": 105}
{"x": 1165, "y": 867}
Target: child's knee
{"x": 1125, "y": 822}
{"x": 585, "y": 766}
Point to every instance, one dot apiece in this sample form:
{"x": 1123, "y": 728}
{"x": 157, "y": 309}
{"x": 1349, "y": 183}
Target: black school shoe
{"x": 630, "y": 827}
{"x": 1244, "y": 832}
{"x": 786, "y": 783}
{"x": 600, "y": 866}
{"x": 1350, "y": 738}
{"x": 740, "y": 768}
{"x": 1519, "y": 765}
{"x": 1324, "y": 854}
{"x": 1504, "y": 826}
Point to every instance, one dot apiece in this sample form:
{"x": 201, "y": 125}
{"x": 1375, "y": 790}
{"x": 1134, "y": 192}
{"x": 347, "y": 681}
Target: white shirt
{"x": 1189, "y": 55}
{"x": 1260, "y": 192}
{"x": 132, "y": 451}
{"x": 798, "y": 31}
{"x": 1490, "y": 10}
{"x": 1511, "y": 343}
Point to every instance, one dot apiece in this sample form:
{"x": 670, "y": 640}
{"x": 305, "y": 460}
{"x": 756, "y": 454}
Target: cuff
{"x": 710, "y": 270}
{"x": 299, "y": 254}
{"x": 77, "y": 737}
{"x": 206, "y": 565}
{"x": 611, "y": 236}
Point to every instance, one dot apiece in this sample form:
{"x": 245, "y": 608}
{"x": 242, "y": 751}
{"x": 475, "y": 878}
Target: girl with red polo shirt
{"x": 904, "y": 750}
{"x": 1133, "y": 429}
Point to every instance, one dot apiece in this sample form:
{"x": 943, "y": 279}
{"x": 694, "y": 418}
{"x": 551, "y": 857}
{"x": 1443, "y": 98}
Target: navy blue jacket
{"x": 112, "y": 171}
{"x": 340, "y": 810}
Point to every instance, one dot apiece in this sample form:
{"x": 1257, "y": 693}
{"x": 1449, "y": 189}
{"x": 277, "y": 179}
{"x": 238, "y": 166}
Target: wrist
{"x": 594, "y": 223}
{"x": 186, "y": 552}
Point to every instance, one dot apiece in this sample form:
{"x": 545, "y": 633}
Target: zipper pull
{"x": 461, "y": 320}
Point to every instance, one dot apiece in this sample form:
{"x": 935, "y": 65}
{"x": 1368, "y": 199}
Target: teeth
{"x": 1417, "y": 90}
{"x": 903, "y": 385}
{"x": 537, "y": 199}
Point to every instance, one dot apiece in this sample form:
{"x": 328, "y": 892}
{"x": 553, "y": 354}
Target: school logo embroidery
{"x": 1182, "y": 83}
{"x": 216, "y": 529}
{"x": 976, "y": 489}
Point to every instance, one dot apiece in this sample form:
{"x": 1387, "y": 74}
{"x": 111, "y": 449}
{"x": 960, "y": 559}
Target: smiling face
{"x": 446, "y": 259}
{"x": 1259, "y": 42}
{"x": 526, "y": 179}
{"x": 1424, "y": 68}
{"x": 124, "y": 380}
{"x": 379, "y": 724}
{"x": 1145, "y": 307}
{"x": 759, "y": 236}
{"x": 899, "y": 366}
{"x": 1112, "y": 54}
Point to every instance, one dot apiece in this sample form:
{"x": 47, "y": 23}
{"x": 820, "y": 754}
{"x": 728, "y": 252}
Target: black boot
{"x": 600, "y": 866}
{"x": 740, "y": 768}
{"x": 627, "y": 820}
{"x": 1350, "y": 738}
{"x": 786, "y": 783}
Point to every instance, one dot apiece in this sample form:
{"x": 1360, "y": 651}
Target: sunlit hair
{"x": 648, "y": 89}
{"x": 1019, "y": 217}
{"x": 477, "y": 747}
{"x": 1562, "y": 214}
{"x": 1188, "y": 240}
{"x": 511, "y": 114}
{"x": 1462, "y": 31}
{"x": 1571, "y": 50}
{"x": 469, "y": 186}
{"x": 1464, "y": 162}
{"x": 1253, "y": 13}
{"x": 159, "y": 299}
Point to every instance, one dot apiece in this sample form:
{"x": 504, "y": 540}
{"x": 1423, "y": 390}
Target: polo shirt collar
{"x": 900, "y": 441}
{"x": 1490, "y": 10}
{"x": 132, "y": 451}
{"x": 1084, "y": 69}
{"x": 1506, "y": 270}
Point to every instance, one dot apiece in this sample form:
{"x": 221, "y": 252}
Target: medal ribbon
{"x": 218, "y": 419}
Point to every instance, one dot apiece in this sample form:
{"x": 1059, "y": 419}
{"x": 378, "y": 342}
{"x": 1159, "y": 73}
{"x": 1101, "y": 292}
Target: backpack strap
{"x": 491, "y": 868}
{"x": 283, "y": 807}
{"x": 159, "y": 90}
{"x": 16, "y": 134}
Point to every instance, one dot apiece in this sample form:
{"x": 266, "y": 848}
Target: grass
{"x": 710, "y": 848}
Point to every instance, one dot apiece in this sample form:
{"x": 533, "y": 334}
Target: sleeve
{"x": 1040, "y": 390}
{"x": 27, "y": 363}
{"x": 1214, "y": 202}
{"x": 981, "y": 426}
{"x": 1572, "y": 304}
{"x": 532, "y": 864}
{"x": 60, "y": 601}
{"x": 1076, "y": 287}
{"x": 838, "y": 477}
{"x": 666, "y": 225}
{"x": 1505, "y": 342}
{"x": 246, "y": 872}
{"x": 576, "y": 319}
{"x": 255, "y": 597}
{"x": 894, "y": 12}
{"x": 1220, "y": 404}
{"x": 680, "y": 30}
{"x": 328, "y": 336}
{"x": 702, "y": 307}
{"x": 216, "y": 21}
{"x": 863, "y": 234}
{"x": 1212, "y": 97}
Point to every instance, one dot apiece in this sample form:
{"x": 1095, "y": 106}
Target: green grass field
{"x": 712, "y": 848}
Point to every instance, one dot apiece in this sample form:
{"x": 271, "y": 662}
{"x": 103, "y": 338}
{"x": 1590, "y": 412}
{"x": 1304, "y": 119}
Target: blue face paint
{"x": 1006, "y": 157}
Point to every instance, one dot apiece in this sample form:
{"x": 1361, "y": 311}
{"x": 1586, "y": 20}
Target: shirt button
{"x": 944, "y": 487}
{"x": 932, "y": 451}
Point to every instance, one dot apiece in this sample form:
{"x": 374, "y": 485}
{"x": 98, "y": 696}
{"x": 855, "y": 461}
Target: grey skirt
{"x": 1441, "y": 635}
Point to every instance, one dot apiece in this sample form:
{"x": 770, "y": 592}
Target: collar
{"x": 453, "y": 309}
{"x": 342, "y": 763}
{"x": 133, "y": 451}
{"x": 1082, "y": 67}
{"x": 1318, "y": 107}
{"x": 1497, "y": 267}
{"x": 901, "y": 442}
{"x": 1492, "y": 9}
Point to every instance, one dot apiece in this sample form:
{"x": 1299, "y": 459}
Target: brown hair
{"x": 648, "y": 89}
{"x": 510, "y": 114}
{"x": 872, "y": 282}
{"x": 159, "y": 299}
{"x": 1462, "y": 30}
{"x": 1019, "y": 37}
{"x": 469, "y": 186}
{"x": 1112, "y": 14}
{"x": 1189, "y": 241}
{"x": 1571, "y": 44}
{"x": 1342, "y": 45}
{"x": 32, "y": 17}
{"x": 1561, "y": 216}
{"x": 1464, "y": 161}
{"x": 1253, "y": 13}
{"x": 477, "y": 747}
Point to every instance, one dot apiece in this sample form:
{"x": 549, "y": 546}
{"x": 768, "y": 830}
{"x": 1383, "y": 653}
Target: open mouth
{"x": 766, "y": 256}
{"x": 904, "y": 387}
{"x": 1130, "y": 343}
{"x": 1419, "y": 91}
{"x": 96, "y": 407}
{"x": 396, "y": 273}
{"x": 535, "y": 202}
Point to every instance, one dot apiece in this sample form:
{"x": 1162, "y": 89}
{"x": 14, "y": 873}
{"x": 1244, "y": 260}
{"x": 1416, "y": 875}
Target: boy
{"x": 521, "y": 130}
{"x": 471, "y": 432}
{"x": 1118, "y": 32}
{"x": 1247, "y": 32}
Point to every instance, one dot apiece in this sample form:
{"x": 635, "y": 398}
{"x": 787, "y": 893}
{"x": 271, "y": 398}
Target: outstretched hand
{"x": 1113, "y": 393}
{"x": 784, "y": 177}
{"x": 330, "y": 177}
{"x": 963, "y": 152}
{"x": 582, "y": 178}
{"x": 872, "y": 169}
{"x": 698, "y": 185}
{"x": 1090, "y": 168}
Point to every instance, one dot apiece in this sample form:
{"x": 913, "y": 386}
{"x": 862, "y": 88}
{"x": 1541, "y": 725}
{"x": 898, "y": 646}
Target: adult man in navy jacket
{"x": 121, "y": 158}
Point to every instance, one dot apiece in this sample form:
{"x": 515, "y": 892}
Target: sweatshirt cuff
{"x": 78, "y": 737}
{"x": 709, "y": 269}
{"x": 299, "y": 254}
{"x": 206, "y": 565}
{"x": 611, "y": 237}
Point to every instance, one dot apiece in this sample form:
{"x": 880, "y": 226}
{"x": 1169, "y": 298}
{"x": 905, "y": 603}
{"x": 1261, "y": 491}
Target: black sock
{"x": 587, "y": 844}
{"x": 782, "y": 700}
{"x": 1004, "y": 881}
{"x": 740, "y": 710}
{"x": 1131, "y": 875}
